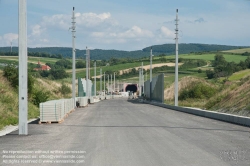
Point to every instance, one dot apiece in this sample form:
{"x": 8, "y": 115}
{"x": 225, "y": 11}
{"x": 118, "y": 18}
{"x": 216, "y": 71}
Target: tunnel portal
{"x": 131, "y": 87}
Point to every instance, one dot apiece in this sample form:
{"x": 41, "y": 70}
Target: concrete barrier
{"x": 241, "y": 120}
{"x": 83, "y": 101}
{"x": 91, "y": 100}
{"x": 55, "y": 110}
{"x": 102, "y": 97}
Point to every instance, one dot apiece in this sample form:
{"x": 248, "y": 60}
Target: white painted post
{"x": 108, "y": 83}
{"x": 95, "y": 78}
{"x": 104, "y": 85}
{"x": 114, "y": 81}
{"x": 151, "y": 74}
{"x": 139, "y": 85}
{"x": 176, "y": 62}
{"x": 23, "y": 72}
{"x": 118, "y": 86}
{"x": 142, "y": 78}
{"x": 87, "y": 73}
{"x": 101, "y": 81}
{"x": 90, "y": 88}
{"x": 73, "y": 57}
{"x": 111, "y": 85}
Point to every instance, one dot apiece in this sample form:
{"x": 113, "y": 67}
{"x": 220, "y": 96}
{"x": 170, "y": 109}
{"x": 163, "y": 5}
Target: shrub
{"x": 11, "y": 73}
{"x": 197, "y": 91}
{"x": 64, "y": 89}
{"x": 210, "y": 74}
{"x": 40, "y": 96}
{"x": 58, "y": 73}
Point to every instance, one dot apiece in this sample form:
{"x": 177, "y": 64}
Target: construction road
{"x": 118, "y": 132}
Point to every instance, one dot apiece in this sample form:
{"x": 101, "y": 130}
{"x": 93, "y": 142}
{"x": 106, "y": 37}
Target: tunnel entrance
{"x": 131, "y": 88}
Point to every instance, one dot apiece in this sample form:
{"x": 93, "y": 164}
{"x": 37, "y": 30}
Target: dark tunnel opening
{"x": 131, "y": 88}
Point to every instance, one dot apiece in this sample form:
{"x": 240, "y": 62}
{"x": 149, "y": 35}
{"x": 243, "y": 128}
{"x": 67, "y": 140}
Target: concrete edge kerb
{"x": 240, "y": 120}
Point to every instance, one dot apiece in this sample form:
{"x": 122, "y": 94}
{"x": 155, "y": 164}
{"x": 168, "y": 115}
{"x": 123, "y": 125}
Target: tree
{"x": 80, "y": 64}
{"x": 163, "y": 59}
{"x": 58, "y": 73}
{"x": 11, "y": 73}
{"x": 243, "y": 65}
{"x": 64, "y": 63}
{"x": 210, "y": 74}
{"x": 219, "y": 60}
{"x": 113, "y": 61}
{"x": 247, "y": 61}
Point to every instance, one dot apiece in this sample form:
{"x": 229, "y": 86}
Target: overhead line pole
{"x": 114, "y": 81}
{"x": 111, "y": 85}
{"x": 176, "y": 62}
{"x": 101, "y": 80}
{"x": 104, "y": 85}
{"x": 95, "y": 77}
{"x": 108, "y": 83}
{"x": 73, "y": 57}
{"x": 142, "y": 78}
{"x": 89, "y": 90}
{"x": 151, "y": 74}
{"x": 22, "y": 68}
{"x": 139, "y": 81}
{"x": 87, "y": 73}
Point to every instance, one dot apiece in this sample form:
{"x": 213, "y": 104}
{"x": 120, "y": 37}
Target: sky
{"x": 126, "y": 24}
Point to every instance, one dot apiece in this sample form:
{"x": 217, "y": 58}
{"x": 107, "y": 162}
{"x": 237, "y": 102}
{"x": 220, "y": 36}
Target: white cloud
{"x": 167, "y": 33}
{"x": 37, "y": 30}
{"x": 98, "y": 34}
{"x": 10, "y": 37}
{"x": 136, "y": 32}
{"x": 200, "y": 20}
{"x": 93, "y": 19}
{"x": 59, "y": 21}
{"x": 83, "y": 20}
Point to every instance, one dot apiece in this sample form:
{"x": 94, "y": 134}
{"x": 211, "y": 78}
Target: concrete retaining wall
{"x": 241, "y": 120}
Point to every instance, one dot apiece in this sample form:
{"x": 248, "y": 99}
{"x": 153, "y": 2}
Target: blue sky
{"x": 127, "y": 25}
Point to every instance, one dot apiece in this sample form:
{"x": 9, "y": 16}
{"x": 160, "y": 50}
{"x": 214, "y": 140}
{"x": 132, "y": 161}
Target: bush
{"x": 197, "y": 91}
{"x": 64, "y": 89}
{"x": 58, "y": 73}
{"x": 80, "y": 64}
{"x": 11, "y": 73}
{"x": 210, "y": 74}
{"x": 40, "y": 96}
{"x": 64, "y": 63}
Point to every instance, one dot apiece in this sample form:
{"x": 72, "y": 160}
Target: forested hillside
{"x": 99, "y": 54}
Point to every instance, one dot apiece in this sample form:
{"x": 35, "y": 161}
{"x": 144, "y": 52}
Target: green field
{"x": 30, "y": 59}
{"x": 115, "y": 68}
{"x": 238, "y": 51}
{"x": 238, "y": 75}
{"x": 209, "y": 57}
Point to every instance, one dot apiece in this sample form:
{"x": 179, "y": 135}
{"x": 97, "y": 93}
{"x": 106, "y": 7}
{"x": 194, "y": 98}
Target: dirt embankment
{"x": 231, "y": 97}
{"x": 183, "y": 83}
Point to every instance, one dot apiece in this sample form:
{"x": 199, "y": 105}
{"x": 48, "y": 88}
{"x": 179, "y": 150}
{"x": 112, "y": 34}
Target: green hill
{"x": 99, "y": 54}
